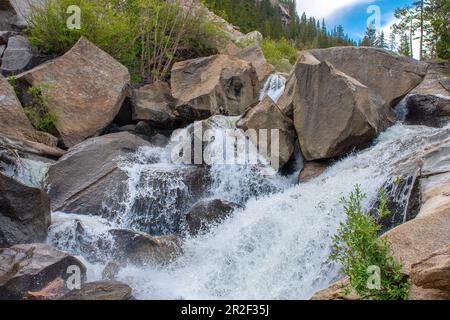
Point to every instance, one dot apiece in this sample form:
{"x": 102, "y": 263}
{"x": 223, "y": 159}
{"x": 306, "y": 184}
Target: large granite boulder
{"x": 86, "y": 90}
{"x": 13, "y": 121}
{"x": 333, "y": 112}
{"x": 268, "y": 116}
{"x": 154, "y": 103}
{"x": 31, "y": 267}
{"x": 255, "y": 56}
{"x": 429, "y": 103}
{"x": 213, "y": 85}
{"x": 388, "y": 76}
{"x": 84, "y": 177}
{"x": 24, "y": 213}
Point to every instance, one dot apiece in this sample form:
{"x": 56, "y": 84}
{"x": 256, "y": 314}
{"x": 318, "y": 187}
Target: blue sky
{"x": 351, "y": 14}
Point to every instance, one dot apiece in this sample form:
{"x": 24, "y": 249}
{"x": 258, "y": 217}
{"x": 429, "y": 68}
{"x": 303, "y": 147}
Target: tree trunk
{"x": 421, "y": 30}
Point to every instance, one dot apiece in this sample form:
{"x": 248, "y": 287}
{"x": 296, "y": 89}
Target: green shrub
{"x": 13, "y": 82}
{"x": 145, "y": 35}
{"x": 37, "y": 108}
{"x": 276, "y": 51}
{"x": 358, "y": 247}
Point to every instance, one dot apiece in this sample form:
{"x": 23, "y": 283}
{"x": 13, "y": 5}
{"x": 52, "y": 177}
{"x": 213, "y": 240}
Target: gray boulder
{"x": 429, "y": 103}
{"x": 24, "y": 213}
{"x": 89, "y": 174}
{"x": 17, "y": 56}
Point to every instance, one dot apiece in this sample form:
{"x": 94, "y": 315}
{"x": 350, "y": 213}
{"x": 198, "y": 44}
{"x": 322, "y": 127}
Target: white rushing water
{"x": 273, "y": 87}
{"x": 277, "y": 247}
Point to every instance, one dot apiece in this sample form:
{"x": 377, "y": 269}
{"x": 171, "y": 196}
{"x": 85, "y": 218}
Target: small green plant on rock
{"x": 13, "y": 82}
{"x": 359, "y": 249}
{"x": 37, "y": 110}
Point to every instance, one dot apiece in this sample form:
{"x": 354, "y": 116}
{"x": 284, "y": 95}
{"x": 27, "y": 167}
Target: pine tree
{"x": 381, "y": 41}
{"x": 370, "y": 37}
{"x": 405, "y": 48}
{"x": 392, "y": 42}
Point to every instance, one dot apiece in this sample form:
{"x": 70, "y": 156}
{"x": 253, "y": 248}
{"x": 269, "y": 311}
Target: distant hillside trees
{"x": 262, "y": 15}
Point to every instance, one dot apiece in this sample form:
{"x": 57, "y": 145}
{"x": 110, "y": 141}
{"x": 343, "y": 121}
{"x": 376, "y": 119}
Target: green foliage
{"x": 145, "y": 35}
{"x": 37, "y": 108}
{"x": 428, "y": 22}
{"x": 101, "y": 22}
{"x": 277, "y": 50}
{"x": 13, "y": 82}
{"x": 357, "y": 247}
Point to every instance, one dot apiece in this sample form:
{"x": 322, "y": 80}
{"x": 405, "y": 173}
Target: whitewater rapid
{"x": 277, "y": 247}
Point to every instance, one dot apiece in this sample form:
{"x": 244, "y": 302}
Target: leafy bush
{"x": 145, "y": 35}
{"x": 276, "y": 51}
{"x": 37, "y": 108}
{"x": 358, "y": 248}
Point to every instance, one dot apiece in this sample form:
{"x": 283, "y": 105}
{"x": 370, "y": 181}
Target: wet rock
{"x": 86, "y": 90}
{"x": 88, "y": 174}
{"x": 142, "y": 249}
{"x": 31, "y": 267}
{"x": 214, "y": 85}
{"x": 208, "y": 212}
{"x": 144, "y": 129}
{"x": 163, "y": 195}
{"x": 429, "y": 103}
{"x": 312, "y": 170}
{"x": 24, "y": 213}
{"x": 101, "y": 290}
{"x": 268, "y": 116}
{"x": 111, "y": 271}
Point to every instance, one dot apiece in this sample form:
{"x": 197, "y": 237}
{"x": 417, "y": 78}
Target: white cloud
{"x": 324, "y": 8}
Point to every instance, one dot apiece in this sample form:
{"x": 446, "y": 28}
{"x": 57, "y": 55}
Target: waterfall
{"x": 273, "y": 87}
{"x": 276, "y": 247}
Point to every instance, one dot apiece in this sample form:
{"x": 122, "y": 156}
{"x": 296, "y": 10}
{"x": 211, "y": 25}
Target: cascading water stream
{"x": 273, "y": 87}
{"x": 277, "y": 247}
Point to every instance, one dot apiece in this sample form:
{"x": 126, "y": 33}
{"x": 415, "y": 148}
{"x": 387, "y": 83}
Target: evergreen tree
{"x": 392, "y": 42}
{"x": 381, "y": 41}
{"x": 404, "y": 47}
{"x": 262, "y": 15}
{"x": 370, "y": 38}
